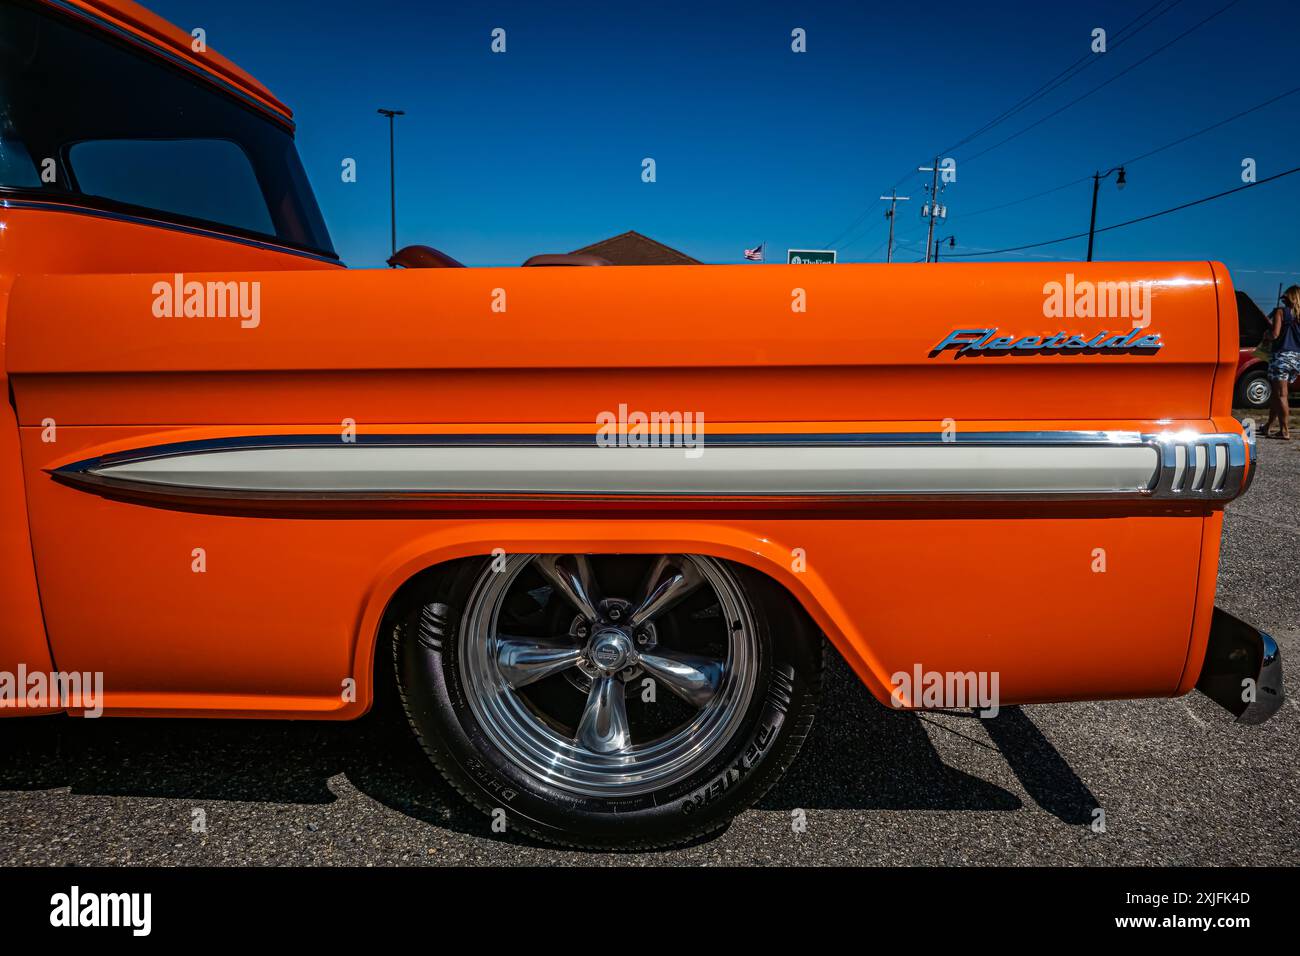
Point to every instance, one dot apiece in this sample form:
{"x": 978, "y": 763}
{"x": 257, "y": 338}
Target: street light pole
{"x": 1096, "y": 183}
{"x": 951, "y": 240}
{"x": 392, "y": 175}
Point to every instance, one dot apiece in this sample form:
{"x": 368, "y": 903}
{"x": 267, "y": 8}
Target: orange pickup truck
{"x": 593, "y": 522}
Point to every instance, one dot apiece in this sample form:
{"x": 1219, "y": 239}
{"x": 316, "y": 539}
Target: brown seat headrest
{"x": 567, "y": 259}
{"x": 423, "y": 257}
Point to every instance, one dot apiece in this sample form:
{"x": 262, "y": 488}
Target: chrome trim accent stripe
{"x": 585, "y": 440}
{"x": 77, "y": 209}
{"x": 983, "y": 465}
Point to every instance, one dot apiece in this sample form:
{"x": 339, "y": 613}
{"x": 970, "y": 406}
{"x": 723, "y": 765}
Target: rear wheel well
{"x": 479, "y": 666}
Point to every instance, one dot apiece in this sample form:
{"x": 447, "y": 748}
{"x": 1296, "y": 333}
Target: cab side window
{"x": 174, "y": 174}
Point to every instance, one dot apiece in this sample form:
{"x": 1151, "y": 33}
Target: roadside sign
{"x": 802, "y": 256}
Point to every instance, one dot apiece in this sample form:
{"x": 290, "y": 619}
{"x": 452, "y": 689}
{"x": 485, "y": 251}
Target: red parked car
{"x": 1253, "y": 389}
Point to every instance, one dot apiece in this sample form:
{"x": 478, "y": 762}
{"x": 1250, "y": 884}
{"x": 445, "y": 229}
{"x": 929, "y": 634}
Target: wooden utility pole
{"x": 894, "y": 200}
{"x": 933, "y": 210}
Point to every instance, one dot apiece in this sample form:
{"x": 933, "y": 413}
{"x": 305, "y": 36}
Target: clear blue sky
{"x": 501, "y": 156}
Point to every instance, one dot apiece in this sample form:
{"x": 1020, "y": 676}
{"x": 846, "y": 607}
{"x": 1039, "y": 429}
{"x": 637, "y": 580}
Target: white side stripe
{"x": 721, "y": 470}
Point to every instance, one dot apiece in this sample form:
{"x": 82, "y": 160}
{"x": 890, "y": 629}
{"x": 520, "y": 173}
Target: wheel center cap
{"x": 610, "y": 650}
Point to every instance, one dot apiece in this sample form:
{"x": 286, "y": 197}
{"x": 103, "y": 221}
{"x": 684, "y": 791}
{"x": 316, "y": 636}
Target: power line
{"x": 876, "y": 251}
{"x": 853, "y": 225}
{"x": 872, "y": 207}
{"x": 1016, "y": 202}
{"x": 1130, "y": 222}
{"x": 846, "y": 232}
{"x": 1099, "y": 86}
{"x": 1147, "y": 154}
{"x": 1235, "y": 116}
{"x": 862, "y": 235}
{"x": 1071, "y": 71}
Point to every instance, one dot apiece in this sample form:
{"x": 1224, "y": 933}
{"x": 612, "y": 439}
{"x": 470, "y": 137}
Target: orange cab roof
{"x": 134, "y": 22}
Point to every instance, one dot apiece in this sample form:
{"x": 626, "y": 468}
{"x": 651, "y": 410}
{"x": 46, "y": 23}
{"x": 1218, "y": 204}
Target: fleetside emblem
{"x": 989, "y": 342}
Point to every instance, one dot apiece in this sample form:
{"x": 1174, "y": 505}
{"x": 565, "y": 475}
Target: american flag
{"x": 755, "y": 254}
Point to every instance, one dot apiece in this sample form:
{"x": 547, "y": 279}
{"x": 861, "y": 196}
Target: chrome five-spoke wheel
{"x": 606, "y": 700}
{"x": 564, "y": 664}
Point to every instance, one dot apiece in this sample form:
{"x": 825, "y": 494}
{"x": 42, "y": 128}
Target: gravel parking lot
{"x": 1178, "y": 783}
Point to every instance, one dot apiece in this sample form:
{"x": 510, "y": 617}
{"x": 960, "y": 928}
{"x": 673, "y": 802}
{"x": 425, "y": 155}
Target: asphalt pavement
{"x": 1173, "y": 781}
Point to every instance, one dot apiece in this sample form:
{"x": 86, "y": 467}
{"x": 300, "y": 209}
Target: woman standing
{"x": 1285, "y": 364}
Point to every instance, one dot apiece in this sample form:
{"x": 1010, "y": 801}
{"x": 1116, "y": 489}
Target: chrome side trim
{"x": 981, "y": 465}
{"x": 1199, "y": 465}
{"x": 756, "y": 470}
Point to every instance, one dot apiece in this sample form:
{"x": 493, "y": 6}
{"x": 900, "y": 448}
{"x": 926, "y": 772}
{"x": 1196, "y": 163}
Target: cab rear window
{"x": 86, "y": 119}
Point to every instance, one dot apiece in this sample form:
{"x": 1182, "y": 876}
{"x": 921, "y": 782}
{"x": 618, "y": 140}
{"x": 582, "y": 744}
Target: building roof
{"x": 633, "y": 249}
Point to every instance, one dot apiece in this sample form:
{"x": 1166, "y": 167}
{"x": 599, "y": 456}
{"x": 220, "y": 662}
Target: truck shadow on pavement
{"x": 860, "y": 756}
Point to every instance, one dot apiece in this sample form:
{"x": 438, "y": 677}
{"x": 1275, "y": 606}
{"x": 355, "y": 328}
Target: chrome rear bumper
{"x": 1242, "y": 670}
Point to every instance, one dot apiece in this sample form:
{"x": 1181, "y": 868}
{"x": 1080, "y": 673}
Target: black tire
{"x": 779, "y": 716}
{"x": 1250, "y": 392}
